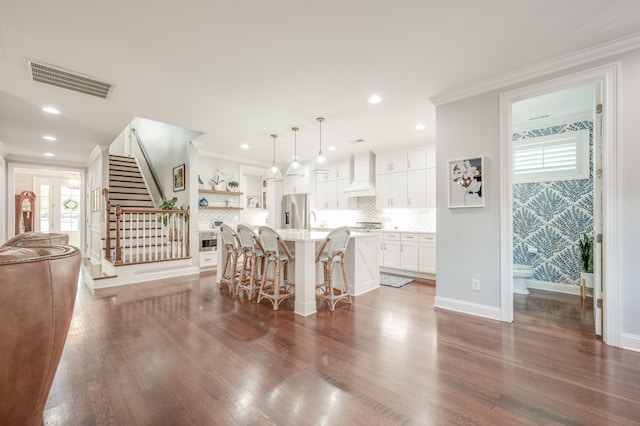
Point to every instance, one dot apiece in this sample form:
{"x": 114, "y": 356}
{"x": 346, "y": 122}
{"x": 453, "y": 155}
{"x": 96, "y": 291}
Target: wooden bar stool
{"x": 231, "y": 269}
{"x": 252, "y": 260}
{"x": 274, "y": 285}
{"x": 332, "y": 253}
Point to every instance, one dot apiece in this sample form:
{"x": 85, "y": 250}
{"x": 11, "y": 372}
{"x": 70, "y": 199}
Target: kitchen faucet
{"x": 309, "y": 219}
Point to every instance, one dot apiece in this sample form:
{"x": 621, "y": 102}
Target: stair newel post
{"x": 188, "y": 229}
{"x": 118, "y": 247}
{"x": 107, "y": 222}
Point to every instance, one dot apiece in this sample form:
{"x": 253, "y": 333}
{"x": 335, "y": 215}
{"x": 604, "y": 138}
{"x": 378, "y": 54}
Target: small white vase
{"x": 218, "y": 187}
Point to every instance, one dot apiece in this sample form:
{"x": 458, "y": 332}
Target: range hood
{"x": 364, "y": 175}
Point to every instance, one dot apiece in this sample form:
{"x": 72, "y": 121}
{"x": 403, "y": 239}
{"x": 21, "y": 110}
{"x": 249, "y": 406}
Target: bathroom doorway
{"x": 549, "y": 252}
{"x": 553, "y": 193}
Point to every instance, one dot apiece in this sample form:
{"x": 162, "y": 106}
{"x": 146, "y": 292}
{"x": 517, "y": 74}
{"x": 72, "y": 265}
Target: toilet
{"x": 521, "y": 273}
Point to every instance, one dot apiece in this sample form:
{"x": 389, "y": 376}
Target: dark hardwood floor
{"x": 186, "y": 353}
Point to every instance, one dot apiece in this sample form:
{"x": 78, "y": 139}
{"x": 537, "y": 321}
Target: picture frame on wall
{"x": 466, "y": 183}
{"x": 179, "y": 178}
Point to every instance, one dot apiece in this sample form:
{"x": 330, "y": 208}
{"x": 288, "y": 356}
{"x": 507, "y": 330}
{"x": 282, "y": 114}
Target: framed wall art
{"x": 465, "y": 179}
{"x": 178, "y": 178}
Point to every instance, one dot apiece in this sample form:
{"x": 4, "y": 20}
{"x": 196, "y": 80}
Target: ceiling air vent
{"x": 67, "y": 79}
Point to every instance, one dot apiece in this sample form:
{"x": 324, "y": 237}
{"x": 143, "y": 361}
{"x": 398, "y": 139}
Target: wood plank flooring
{"x": 183, "y": 352}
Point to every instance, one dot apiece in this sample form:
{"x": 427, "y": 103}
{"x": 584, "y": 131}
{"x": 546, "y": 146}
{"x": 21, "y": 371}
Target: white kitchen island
{"x": 361, "y": 261}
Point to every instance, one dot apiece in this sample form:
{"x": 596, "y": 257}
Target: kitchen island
{"x": 361, "y": 262}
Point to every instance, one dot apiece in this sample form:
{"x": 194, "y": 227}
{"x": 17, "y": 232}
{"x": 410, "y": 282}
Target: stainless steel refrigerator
{"x": 294, "y": 211}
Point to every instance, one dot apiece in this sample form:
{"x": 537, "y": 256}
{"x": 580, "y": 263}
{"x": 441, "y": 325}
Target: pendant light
{"x": 295, "y": 169}
{"x": 274, "y": 172}
{"x": 320, "y": 164}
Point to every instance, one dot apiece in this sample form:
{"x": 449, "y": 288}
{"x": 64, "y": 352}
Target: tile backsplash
{"x": 408, "y": 219}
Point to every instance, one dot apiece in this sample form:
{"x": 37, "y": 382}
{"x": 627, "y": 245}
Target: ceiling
{"x": 239, "y": 71}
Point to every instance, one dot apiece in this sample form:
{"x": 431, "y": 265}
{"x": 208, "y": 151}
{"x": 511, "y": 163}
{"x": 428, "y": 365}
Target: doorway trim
{"x": 608, "y": 75}
{"x": 11, "y": 185}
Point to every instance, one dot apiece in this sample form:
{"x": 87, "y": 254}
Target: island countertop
{"x": 361, "y": 262}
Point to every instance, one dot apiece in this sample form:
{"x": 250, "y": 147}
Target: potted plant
{"x": 586, "y": 260}
{"x": 218, "y": 180}
{"x": 166, "y": 218}
{"x": 233, "y": 185}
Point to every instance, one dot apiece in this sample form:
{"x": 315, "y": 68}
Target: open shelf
{"x": 219, "y": 208}
{"x": 211, "y": 191}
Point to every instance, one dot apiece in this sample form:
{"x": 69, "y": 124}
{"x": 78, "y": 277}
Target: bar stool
{"x": 274, "y": 286}
{"x": 331, "y": 253}
{"x": 230, "y": 270}
{"x": 252, "y": 260}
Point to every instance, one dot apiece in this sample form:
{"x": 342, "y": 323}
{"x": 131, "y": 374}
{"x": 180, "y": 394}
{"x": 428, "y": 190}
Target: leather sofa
{"x": 37, "y": 239}
{"x": 37, "y": 293}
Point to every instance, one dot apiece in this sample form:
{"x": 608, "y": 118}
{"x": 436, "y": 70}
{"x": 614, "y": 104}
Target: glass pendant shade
{"x": 295, "y": 169}
{"x": 274, "y": 172}
{"x": 320, "y": 164}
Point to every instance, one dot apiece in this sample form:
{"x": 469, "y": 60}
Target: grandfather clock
{"x": 25, "y": 207}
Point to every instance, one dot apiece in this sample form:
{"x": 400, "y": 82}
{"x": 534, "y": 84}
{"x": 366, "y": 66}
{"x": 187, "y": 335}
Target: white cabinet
{"x": 417, "y": 158}
{"x": 427, "y": 262}
{"x": 416, "y": 188}
{"x": 208, "y": 259}
{"x": 404, "y": 180}
{"x": 391, "y": 250}
{"x": 391, "y": 190}
{"x": 330, "y": 188}
{"x": 297, "y": 185}
{"x": 389, "y": 162}
{"x": 430, "y": 178}
{"x": 409, "y": 256}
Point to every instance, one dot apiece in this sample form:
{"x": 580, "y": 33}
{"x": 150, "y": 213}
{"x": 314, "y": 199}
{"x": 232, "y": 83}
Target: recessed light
{"x": 51, "y": 110}
{"x": 48, "y": 154}
{"x": 420, "y": 126}
{"x": 374, "y": 99}
{"x": 245, "y": 146}
{"x": 50, "y": 138}
{"x": 332, "y": 148}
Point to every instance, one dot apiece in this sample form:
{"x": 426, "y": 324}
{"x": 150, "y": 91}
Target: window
{"x": 558, "y": 157}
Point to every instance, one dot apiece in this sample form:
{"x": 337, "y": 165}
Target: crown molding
{"x": 579, "y": 57}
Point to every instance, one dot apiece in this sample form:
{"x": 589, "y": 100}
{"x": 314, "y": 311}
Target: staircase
{"x": 142, "y": 235}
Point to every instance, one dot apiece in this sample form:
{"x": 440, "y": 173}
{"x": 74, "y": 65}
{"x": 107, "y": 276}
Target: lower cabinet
{"x": 391, "y": 250}
{"x": 208, "y": 259}
{"x": 409, "y": 252}
{"x": 427, "y": 254}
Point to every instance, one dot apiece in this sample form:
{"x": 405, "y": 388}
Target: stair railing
{"x": 147, "y": 169}
{"x": 146, "y": 235}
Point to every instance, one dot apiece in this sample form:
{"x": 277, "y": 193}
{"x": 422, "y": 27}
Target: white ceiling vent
{"x": 67, "y": 79}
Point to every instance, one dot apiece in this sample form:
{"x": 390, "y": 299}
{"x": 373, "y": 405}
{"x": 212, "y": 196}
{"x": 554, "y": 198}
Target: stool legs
{"x": 275, "y": 288}
{"x": 330, "y": 294}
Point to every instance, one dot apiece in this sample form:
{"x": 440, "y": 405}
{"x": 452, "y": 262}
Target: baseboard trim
{"x": 555, "y": 287}
{"x": 631, "y": 342}
{"x": 470, "y": 308}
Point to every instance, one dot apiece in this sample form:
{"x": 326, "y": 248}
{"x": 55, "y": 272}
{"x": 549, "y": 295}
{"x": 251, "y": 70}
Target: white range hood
{"x": 364, "y": 175}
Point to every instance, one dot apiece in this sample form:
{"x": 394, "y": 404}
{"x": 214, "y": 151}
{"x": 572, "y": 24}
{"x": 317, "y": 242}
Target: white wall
{"x": 168, "y": 147}
{"x": 468, "y": 244}
{"x": 468, "y": 238}
{"x": 3, "y": 196}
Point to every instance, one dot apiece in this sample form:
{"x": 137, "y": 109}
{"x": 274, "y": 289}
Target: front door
{"x": 59, "y": 207}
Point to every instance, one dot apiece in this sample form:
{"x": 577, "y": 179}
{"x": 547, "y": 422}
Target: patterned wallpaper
{"x": 552, "y": 216}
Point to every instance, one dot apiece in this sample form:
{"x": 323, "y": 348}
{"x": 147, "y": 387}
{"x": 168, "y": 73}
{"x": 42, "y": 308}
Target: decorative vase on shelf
{"x": 233, "y": 186}
{"x": 203, "y": 202}
{"x": 217, "y": 187}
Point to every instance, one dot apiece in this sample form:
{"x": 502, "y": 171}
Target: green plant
{"x": 169, "y": 205}
{"x": 233, "y": 184}
{"x": 586, "y": 253}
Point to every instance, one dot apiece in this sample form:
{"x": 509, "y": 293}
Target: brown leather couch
{"x": 37, "y": 239}
{"x": 37, "y": 294}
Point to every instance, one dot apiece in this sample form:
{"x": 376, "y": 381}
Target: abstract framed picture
{"x": 178, "y": 178}
{"x": 465, "y": 183}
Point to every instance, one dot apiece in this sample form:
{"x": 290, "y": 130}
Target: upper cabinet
{"x": 330, "y": 187}
{"x": 406, "y": 178}
{"x": 297, "y": 185}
